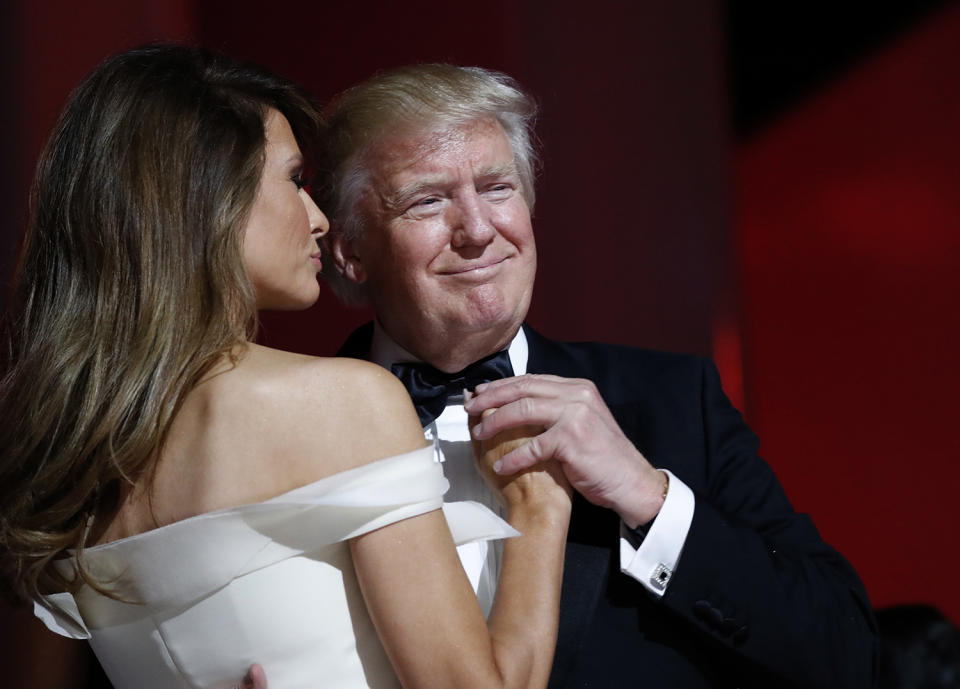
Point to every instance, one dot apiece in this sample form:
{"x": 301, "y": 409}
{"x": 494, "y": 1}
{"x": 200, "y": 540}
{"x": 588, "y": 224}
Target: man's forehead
{"x": 422, "y": 151}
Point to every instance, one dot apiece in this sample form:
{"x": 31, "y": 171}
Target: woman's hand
{"x": 541, "y": 485}
{"x": 254, "y": 679}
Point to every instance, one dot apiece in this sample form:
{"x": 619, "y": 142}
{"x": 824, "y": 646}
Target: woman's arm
{"x": 422, "y": 604}
{"x": 428, "y": 616}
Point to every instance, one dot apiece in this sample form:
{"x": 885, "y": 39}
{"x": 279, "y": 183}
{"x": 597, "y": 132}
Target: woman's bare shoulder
{"x": 323, "y": 415}
{"x": 267, "y": 422}
{"x": 338, "y": 387}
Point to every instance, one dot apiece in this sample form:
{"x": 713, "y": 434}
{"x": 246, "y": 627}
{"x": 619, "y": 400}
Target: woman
{"x": 137, "y": 415}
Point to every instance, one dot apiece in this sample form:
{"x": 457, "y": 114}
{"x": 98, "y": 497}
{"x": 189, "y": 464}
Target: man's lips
{"x": 479, "y": 268}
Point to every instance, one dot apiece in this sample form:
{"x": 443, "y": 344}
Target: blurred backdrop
{"x": 776, "y": 185}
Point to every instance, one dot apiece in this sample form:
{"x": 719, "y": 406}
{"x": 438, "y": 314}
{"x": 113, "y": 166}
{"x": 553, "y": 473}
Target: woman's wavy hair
{"x": 411, "y": 99}
{"x": 130, "y": 286}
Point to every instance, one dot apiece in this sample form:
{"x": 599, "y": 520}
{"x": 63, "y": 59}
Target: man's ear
{"x": 346, "y": 259}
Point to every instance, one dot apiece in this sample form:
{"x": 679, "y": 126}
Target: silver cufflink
{"x": 660, "y": 577}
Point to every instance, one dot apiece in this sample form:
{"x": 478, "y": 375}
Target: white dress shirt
{"x": 650, "y": 560}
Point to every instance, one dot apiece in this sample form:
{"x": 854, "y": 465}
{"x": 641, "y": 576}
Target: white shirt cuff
{"x": 655, "y": 560}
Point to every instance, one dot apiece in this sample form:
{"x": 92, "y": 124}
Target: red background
{"x": 817, "y": 261}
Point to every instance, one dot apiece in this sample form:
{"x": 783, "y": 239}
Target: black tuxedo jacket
{"x": 757, "y": 598}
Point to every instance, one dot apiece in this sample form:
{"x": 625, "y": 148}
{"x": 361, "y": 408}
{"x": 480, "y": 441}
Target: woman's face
{"x": 280, "y": 248}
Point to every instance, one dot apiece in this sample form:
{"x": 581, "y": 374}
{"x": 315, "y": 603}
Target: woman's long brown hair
{"x": 130, "y": 286}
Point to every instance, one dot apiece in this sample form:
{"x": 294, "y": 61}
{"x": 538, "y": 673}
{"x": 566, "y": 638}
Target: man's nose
{"x": 473, "y": 224}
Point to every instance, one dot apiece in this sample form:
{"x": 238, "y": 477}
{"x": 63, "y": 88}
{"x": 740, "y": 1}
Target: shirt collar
{"x": 385, "y": 351}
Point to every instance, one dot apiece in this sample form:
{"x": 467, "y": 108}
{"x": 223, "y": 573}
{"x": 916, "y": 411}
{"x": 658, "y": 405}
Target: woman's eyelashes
{"x": 300, "y": 181}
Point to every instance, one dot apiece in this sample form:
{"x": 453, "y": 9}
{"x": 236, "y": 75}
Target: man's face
{"x": 448, "y": 250}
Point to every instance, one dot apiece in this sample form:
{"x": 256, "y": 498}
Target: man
{"x": 686, "y": 565}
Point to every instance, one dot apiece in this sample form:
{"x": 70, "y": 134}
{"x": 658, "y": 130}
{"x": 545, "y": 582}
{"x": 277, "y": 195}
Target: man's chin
{"x": 490, "y": 306}
{"x": 494, "y": 328}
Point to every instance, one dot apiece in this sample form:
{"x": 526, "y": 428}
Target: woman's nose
{"x": 319, "y": 224}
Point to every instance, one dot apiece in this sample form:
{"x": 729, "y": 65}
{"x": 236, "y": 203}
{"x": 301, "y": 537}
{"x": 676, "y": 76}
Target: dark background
{"x": 771, "y": 184}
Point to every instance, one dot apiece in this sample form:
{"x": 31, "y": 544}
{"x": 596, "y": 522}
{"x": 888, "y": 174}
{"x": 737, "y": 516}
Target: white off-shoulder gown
{"x": 272, "y": 582}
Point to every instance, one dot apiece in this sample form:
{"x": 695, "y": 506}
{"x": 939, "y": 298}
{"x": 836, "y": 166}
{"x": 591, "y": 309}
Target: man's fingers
{"x": 513, "y": 380}
{"x": 497, "y": 393}
{"x": 526, "y": 411}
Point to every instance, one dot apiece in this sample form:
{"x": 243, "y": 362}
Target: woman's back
{"x": 201, "y": 594}
{"x": 267, "y": 423}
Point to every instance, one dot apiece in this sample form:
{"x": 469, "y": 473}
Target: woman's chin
{"x": 290, "y": 302}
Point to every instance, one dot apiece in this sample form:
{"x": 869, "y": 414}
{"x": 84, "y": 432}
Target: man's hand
{"x": 254, "y": 679}
{"x": 597, "y": 458}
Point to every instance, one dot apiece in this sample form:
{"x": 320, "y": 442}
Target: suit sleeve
{"x": 756, "y": 577}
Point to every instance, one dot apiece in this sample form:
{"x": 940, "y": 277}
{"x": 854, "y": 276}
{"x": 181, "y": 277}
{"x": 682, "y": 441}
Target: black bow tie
{"x": 429, "y": 387}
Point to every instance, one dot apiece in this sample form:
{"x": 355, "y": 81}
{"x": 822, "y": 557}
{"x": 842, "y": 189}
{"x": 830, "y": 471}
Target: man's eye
{"x": 425, "y": 205}
{"x": 499, "y": 191}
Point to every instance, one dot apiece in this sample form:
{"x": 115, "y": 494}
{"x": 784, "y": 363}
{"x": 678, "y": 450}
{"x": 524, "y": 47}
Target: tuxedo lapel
{"x": 584, "y": 574}
{"x": 547, "y": 356}
{"x": 586, "y": 563}
{"x": 358, "y": 343}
